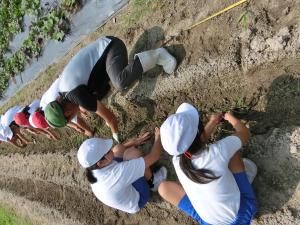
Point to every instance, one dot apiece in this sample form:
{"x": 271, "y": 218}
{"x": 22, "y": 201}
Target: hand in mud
{"x": 216, "y": 118}
{"x": 143, "y": 138}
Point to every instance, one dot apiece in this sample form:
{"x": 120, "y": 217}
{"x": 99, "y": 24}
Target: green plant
{"x": 10, "y": 218}
{"x": 54, "y": 25}
{"x": 140, "y": 9}
{"x": 244, "y": 20}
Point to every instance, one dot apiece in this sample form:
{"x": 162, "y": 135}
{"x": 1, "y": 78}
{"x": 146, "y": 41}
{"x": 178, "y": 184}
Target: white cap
{"x": 92, "y": 150}
{"x": 179, "y": 130}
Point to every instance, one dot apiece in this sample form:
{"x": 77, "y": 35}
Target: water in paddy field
{"x": 93, "y": 14}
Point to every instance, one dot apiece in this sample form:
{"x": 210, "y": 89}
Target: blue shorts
{"x": 141, "y": 186}
{"x": 248, "y": 205}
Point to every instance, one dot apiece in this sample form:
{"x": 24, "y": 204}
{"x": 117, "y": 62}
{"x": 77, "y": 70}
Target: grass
{"x": 31, "y": 90}
{"x": 10, "y": 218}
{"x": 139, "y": 9}
{"x": 244, "y": 20}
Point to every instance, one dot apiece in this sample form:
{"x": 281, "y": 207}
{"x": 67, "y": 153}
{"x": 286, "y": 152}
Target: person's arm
{"x": 155, "y": 152}
{"x": 48, "y": 133}
{"x": 29, "y": 130}
{"x": 86, "y": 100}
{"x": 108, "y": 116}
{"x": 74, "y": 126}
{"x": 209, "y": 128}
{"x": 14, "y": 142}
{"x": 137, "y": 141}
{"x": 21, "y": 136}
{"x": 240, "y": 129}
{"x": 83, "y": 112}
{"x": 83, "y": 125}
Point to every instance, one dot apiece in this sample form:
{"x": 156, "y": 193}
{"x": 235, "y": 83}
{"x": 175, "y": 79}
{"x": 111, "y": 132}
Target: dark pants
{"x": 113, "y": 66}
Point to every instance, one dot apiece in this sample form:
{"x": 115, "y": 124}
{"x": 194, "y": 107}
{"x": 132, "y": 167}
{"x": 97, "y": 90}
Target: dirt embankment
{"x": 254, "y": 71}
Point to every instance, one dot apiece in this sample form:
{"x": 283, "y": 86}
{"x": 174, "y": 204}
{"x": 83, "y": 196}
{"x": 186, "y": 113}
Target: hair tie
{"x": 188, "y": 155}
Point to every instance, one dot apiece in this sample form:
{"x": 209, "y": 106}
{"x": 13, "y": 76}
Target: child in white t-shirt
{"x": 10, "y": 131}
{"x": 120, "y": 176}
{"x": 214, "y": 188}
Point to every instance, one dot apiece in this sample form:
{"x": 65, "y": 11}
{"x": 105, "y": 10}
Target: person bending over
{"x": 77, "y": 122}
{"x": 10, "y": 131}
{"x": 85, "y": 79}
{"x": 26, "y": 118}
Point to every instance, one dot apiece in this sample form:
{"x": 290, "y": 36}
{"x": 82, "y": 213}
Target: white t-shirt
{"x": 5, "y": 132}
{"x": 3, "y": 136}
{"x": 78, "y": 70}
{"x": 114, "y": 184}
{"x": 8, "y": 117}
{"x": 34, "y": 106}
{"x": 50, "y": 95}
{"x": 217, "y": 202}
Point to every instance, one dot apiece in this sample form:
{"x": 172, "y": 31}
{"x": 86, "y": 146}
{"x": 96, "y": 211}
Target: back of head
{"x": 39, "y": 121}
{"x": 21, "y": 119}
{"x": 180, "y": 129}
{"x": 54, "y": 115}
{"x": 180, "y": 137}
{"x": 90, "y": 152}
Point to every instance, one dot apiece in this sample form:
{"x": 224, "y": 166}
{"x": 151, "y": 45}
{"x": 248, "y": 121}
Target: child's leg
{"x": 174, "y": 193}
{"x": 236, "y": 164}
{"x": 171, "y": 191}
{"x": 248, "y": 205}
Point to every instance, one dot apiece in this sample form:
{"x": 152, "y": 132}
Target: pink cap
{"x": 21, "y": 119}
{"x": 39, "y": 120}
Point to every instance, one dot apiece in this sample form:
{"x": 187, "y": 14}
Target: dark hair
{"x": 89, "y": 174}
{"x": 201, "y": 176}
{"x": 25, "y": 110}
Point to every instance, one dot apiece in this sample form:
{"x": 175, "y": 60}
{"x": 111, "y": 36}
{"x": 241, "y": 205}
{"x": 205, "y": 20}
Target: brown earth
{"x": 253, "y": 71}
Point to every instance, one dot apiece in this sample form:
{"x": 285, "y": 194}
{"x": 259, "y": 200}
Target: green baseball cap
{"x": 54, "y": 115}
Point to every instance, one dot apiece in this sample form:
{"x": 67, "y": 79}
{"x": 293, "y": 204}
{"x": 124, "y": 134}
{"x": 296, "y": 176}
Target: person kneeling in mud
{"x": 215, "y": 182}
{"x": 86, "y": 79}
{"x": 120, "y": 176}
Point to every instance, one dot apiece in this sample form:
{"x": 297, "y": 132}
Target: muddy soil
{"x": 253, "y": 71}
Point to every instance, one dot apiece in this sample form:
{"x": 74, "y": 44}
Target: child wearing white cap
{"x": 120, "y": 176}
{"x": 214, "y": 180}
{"x": 10, "y": 131}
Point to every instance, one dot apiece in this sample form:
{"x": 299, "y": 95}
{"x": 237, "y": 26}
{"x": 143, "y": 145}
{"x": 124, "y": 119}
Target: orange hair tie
{"x": 188, "y": 155}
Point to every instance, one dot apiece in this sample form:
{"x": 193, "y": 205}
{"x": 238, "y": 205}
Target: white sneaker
{"x": 159, "y": 56}
{"x": 166, "y": 60}
{"x": 251, "y": 169}
{"x": 159, "y": 177}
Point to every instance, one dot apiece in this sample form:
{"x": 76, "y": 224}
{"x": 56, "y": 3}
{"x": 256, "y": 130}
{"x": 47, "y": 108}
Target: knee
{"x": 163, "y": 189}
{"x": 118, "y": 150}
{"x": 132, "y": 153}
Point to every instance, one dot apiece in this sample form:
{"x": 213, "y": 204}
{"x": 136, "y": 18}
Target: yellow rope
{"x": 216, "y": 14}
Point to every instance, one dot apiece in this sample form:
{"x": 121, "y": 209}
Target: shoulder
{"x": 230, "y": 141}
